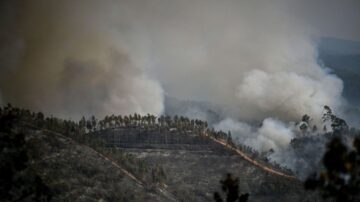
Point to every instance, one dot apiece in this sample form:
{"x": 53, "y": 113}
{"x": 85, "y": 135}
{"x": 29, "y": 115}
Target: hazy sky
{"x": 333, "y": 18}
{"x": 92, "y": 56}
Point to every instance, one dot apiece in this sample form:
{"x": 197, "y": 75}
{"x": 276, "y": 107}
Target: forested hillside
{"x": 133, "y": 158}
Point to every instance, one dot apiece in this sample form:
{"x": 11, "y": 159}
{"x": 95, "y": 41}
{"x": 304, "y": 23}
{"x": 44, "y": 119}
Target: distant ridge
{"x": 343, "y": 58}
{"x": 335, "y": 46}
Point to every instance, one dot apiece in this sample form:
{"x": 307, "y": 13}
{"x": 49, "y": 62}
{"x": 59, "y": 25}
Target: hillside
{"x": 141, "y": 160}
{"x": 76, "y": 172}
{"x": 195, "y": 164}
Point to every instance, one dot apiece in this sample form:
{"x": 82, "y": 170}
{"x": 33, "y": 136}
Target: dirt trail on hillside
{"x": 127, "y": 173}
{"x": 167, "y": 194}
{"x": 163, "y": 191}
{"x": 252, "y": 161}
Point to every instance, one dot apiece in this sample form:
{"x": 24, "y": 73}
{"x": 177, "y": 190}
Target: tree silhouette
{"x": 230, "y": 186}
{"x": 82, "y": 122}
{"x": 341, "y": 178}
{"x": 18, "y": 181}
{"x": 93, "y": 122}
{"x": 338, "y": 125}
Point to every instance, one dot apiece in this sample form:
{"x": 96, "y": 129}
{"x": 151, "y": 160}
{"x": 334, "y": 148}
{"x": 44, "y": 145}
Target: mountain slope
{"x": 76, "y": 172}
{"x": 135, "y": 158}
{"x": 194, "y": 165}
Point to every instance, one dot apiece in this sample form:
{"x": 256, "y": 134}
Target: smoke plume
{"x": 253, "y": 65}
{"x": 71, "y": 59}
{"x": 254, "y": 60}
{"x": 272, "y": 134}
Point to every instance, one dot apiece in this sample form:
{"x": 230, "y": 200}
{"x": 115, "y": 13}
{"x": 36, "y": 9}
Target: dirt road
{"x": 252, "y": 161}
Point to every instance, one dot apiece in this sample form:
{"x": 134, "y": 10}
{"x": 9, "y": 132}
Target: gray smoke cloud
{"x": 272, "y": 134}
{"x": 251, "y": 59}
{"x": 71, "y": 59}
{"x": 253, "y": 65}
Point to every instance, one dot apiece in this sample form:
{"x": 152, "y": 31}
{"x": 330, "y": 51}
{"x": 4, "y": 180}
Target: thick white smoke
{"x": 289, "y": 94}
{"x": 252, "y": 59}
{"x": 273, "y": 134}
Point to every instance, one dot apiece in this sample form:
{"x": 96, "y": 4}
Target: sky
{"x": 331, "y": 18}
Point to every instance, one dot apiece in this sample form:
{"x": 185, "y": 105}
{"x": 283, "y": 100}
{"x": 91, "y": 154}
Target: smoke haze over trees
{"x": 256, "y": 61}
{"x": 122, "y": 55}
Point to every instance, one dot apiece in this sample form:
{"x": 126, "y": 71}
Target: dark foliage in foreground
{"x": 341, "y": 178}
{"x": 230, "y": 186}
{"x": 18, "y": 180}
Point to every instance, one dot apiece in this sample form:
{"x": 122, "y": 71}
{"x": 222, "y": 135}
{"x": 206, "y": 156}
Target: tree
{"x": 161, "y": 121}
{"x": 304, "y": 125}
{"x": 82, "y": 122}
{"x": 39, "y": 119}
{"x": 18, "y": 179}
{"x": 177, "y": 121}
{"x": 306, "y": 119}
{"x": 112, "y": 121}
{"x": 341, "y": 178}
{"x": 88, "y": 125}
{"x": 126, "y": 121}
{"x": 168, "y": 121}
{"x": 120, "y": 119}
{"x": 93, "y": 122}
{"x": 229, "y": 139}
{"x": 230, "y": 186}
{"x": 102, "y": 124}
{"x": 152, "y": 120}
{"x": 314, "y": 129}
{"x": 338, "y": 125}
